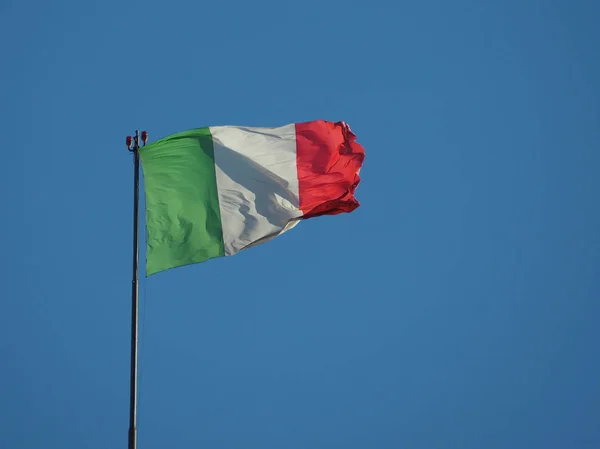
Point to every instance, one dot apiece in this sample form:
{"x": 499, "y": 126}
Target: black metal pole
{"x": 134, "y": 299}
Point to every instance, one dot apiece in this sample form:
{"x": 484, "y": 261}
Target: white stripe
{"x": 257, "y": 181}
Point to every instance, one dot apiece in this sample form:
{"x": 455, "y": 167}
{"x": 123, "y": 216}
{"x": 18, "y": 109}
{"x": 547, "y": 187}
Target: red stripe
{"x": 328, "y": 161}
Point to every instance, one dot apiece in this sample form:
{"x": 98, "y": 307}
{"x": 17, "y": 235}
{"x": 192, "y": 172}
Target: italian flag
{"x": 214, "y": 191}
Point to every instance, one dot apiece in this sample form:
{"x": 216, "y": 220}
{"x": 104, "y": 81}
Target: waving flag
{"x": 214, "y": 191}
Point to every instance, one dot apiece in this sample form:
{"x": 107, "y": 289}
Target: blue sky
{"x": 456, "y": 308}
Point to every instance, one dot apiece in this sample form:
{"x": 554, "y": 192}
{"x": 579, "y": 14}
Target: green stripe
{"x": 183, "y": 221}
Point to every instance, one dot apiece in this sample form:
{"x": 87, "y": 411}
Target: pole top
{"x": 132, "y": 142}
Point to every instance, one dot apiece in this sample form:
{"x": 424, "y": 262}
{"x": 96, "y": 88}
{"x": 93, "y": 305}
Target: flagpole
{"x": 133, "y": 145}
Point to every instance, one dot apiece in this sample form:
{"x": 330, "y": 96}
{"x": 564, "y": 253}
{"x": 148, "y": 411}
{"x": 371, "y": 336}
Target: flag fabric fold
{"x": 215, "y": 191}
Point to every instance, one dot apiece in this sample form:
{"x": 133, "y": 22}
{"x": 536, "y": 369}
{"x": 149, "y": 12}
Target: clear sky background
{"x": 456, "y": 308}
